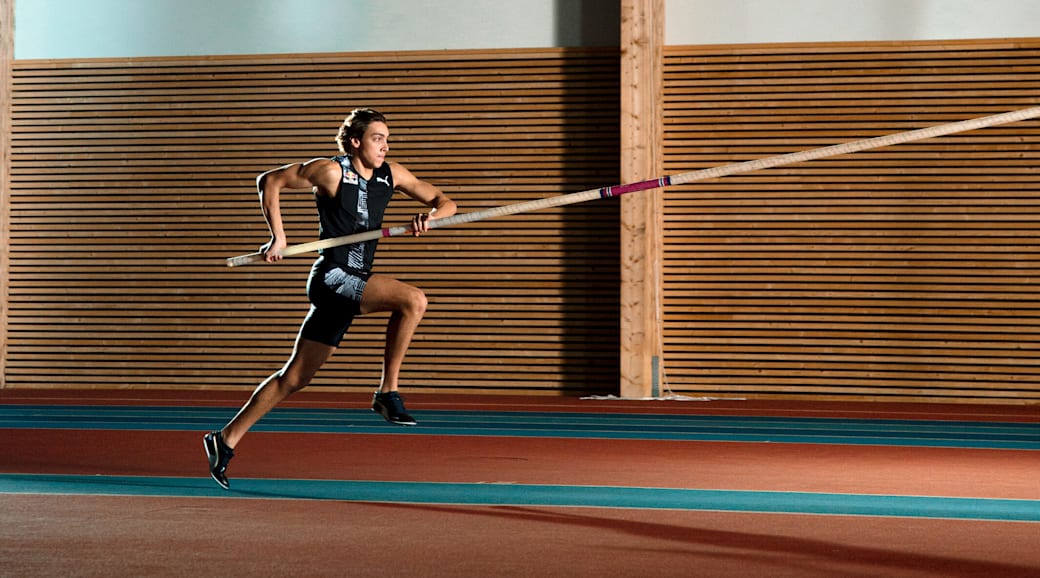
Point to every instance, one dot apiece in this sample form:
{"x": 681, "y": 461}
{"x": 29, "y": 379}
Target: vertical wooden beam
{"x": 6, "y": 59}
{"x": 642, "y": 40}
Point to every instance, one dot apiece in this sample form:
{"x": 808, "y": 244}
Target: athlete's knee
{"x": 417, "y": 302}
{"x": 292, "y": 381}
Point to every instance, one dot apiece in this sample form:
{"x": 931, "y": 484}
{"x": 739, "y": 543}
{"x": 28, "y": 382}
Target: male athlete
{"x": 351, "y": 191}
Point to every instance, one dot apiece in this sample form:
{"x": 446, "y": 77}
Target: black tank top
{"x": 357, "y": 207}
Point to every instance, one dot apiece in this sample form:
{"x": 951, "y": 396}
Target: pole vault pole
{"x": 678, "y": 179}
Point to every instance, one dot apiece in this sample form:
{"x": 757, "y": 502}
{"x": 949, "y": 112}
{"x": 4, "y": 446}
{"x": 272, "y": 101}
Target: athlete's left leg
{"x": 407, "y": 305}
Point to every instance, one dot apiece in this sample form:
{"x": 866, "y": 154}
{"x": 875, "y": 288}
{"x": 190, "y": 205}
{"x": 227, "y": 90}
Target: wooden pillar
{"x": 6, "y": 58}
{"x": 642, "y": 40}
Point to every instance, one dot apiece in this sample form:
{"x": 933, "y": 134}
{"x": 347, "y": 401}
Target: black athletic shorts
{"x": 335, "y": 294}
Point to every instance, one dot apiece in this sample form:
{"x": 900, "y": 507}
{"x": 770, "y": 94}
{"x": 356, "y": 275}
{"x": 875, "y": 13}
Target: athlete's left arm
{"x": 440, "y": 205}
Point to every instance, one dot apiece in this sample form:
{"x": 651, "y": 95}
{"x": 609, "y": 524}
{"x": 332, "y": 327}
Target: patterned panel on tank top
{"x": 356, "y": 256}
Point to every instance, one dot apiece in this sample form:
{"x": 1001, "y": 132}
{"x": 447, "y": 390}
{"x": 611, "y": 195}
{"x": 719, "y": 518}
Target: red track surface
{"x": 107, "y": 536}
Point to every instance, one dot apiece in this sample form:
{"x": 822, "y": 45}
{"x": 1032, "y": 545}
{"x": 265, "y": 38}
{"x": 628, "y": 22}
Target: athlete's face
{"x": 374, "y": 144}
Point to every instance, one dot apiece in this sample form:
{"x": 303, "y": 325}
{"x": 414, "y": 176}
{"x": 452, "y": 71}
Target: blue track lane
{"x": 881, "y": 432}
{"x": 530, "y": 495}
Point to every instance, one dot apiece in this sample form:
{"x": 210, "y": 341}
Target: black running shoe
{"x": 391, "y": 407}
{"x": 219, "y": 455}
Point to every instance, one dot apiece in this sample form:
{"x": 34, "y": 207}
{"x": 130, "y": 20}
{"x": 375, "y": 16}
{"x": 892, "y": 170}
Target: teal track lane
{"x": 530, "y": 495}
{"x": 880, "y": 432}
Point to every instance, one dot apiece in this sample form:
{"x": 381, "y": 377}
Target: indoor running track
{"x": 114, "y": 483}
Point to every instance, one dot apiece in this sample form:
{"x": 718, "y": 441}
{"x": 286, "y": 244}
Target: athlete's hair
{"x": 355, "y": 125}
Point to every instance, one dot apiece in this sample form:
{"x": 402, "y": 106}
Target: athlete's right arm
{"x": 320, "y": 175}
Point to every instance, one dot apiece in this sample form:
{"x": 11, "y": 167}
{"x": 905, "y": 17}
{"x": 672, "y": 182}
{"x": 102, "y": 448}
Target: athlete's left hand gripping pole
{"x": 322, "y": 244}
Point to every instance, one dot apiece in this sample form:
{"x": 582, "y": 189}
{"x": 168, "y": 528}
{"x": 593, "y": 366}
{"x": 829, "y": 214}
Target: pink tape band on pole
{"x": 618, "y": 190}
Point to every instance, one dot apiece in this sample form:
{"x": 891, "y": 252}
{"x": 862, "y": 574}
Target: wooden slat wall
{"x": 907, "y": 273}
{"x": 6, "y": 58}
{"x": 133, "y": 180}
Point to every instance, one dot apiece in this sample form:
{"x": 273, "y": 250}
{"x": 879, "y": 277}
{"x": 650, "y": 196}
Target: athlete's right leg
{"x": 329, "y": 318}
{"x": 307, "y": 358}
